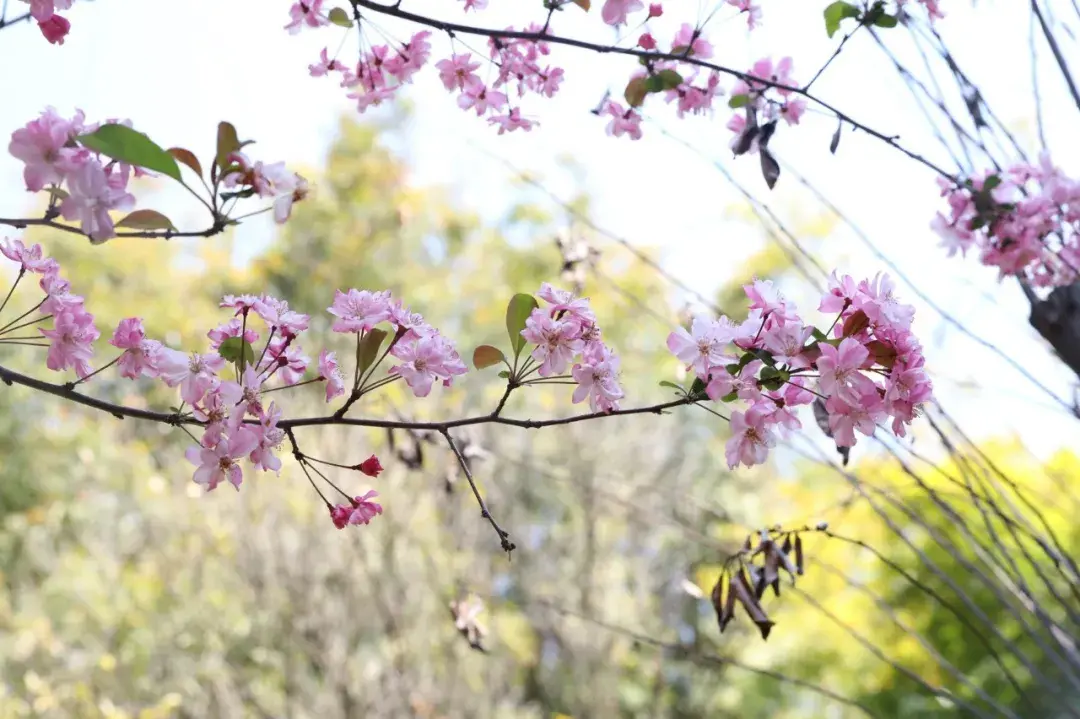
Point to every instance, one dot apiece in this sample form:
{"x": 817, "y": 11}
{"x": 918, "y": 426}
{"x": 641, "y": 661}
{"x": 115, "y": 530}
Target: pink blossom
{"x": 329, "y": 371}
{"x": 140, "y": 355}
{"x": 841, "y": 294}
{"x": 614, "y": 12}
{"x": 194, "y": 373}
{"x": 646, "y": 41}
{"x": 287, "y": 360}
{"x": 59, "y": 298}
{"x": 42, "y": 146}
{"x": 623, "y": 121}
{"x": 862, "y": 414}
{"x": 786, "y": 343}
{"x": 792, "y": 110}
{"x": 753, "y": 12}
{"x": 29, "y": 258}
{"x": 557, "y": 341}
{"x": 425, "y": 359}
{"x": 242, "y": 303}
{"x": 751, "y": 439}
{"x": 72, "y": 335}
{"x": 878, "y": 301}
{"x": 839, "y": 370}
{"x": 325, "y": 65}
{"x": 359, "y": 310}
{"x": 512, "y": 121}
{"x": 55, "y": 29}
{"x": 91, "y": 198}
{"x": 306, "y": 13}
{"x": 690, "y": 37}
{"x": 370, "y": 466}
{"x": 598, "y": 380}
{"x": 481, "y": 99}
{"x": 702, "y": 348}
{"x": 269, "y": 439}
{"x": 655, "y": 10}
{"x": 475, "y": 5}
{"x": 459, "y": 72}
{"x": 218, "y": 463}
{"x": 362, "y": 511}
{"x": 232, "y": 328}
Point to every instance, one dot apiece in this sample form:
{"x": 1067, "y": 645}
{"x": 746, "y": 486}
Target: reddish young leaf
{"x": 856, "y": 323}
{"x": 187, "y": 157}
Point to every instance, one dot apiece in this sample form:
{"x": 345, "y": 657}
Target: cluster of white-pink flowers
{"x": 53, "y": 26}
{"x": 90, "y": 186}
{"x": 871, "y": 368}
{"x": 1024, "y": 221}
{"x": 425, "y": 355}
{"x": 85, "y": 186}
{"x": 73, "y": 333}
{"x": 567, "y": 337}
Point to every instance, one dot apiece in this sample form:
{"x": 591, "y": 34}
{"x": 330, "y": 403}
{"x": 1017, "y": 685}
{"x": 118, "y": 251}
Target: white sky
{"x": 176, "y": 69}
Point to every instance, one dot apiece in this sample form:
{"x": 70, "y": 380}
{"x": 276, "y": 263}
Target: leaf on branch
{"x": 835, "y": 142}
{"x": 227, "y": 142}
{"x": 635, "y": 92}
{"x": 766, "y": 133}
{"x": 723, "y": 604}
{"x": 519, "y": 309}
{"x": 697, "y": 389}
{"x": 749, "y": 133}
{"x": 231, "y": 349}
{"x": 836, "y": 13}
{"x": 485, "y": 356}
{"x": 798, "y": 554}
{"x": 146, "y": 220}
{"x": 121, "y": 143}
{"x": 770, "y": 168}
{"x": 583, "y": 4}
{"x": 339, "y": 17}
{"x": 667, "y": 80}
{"x": 738, "y": 101}
{"x": 856, "y": 323}
{"x": 187, "y": 157}
{"x": 58, "y": 193}
{"x": 672, "y": 385}
{"x": 883, "y": 354}
{"x": 885, "y": 21}
{"x": 369, "y": 349}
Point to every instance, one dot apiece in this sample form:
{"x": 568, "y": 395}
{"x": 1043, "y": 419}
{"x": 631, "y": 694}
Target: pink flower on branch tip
{"x": 598, "y": 380}
{"x": 359, "y": 310}
{"x": 194, "y": 373}
{"x": 55, "y": 29}
{"x": 29, "y": 258}
{"x": 140, "y": 356}
{"x": 615, "y": 12}
{"x": 42, "y": 146}
{"x": 218, "y": 462}
{"x": 73, "y": 335}
{"x": 424, "y": 360}
{"x": 751, "y": 439}
{"x": 331, "y": 374}
{"x": 370, "y": 466}
{"x": 361, "y": 511}
{"x": 306, "y": 13}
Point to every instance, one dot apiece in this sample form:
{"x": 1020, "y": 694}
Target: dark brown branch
{"x": 14, "y": 21}
{"x": 23, "y": 223}
{"x": 450, "y": 28}
{"x": 1052, "y": 42}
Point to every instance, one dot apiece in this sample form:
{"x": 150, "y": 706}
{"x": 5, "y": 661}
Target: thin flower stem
{"x": 28, "y": 344}
{"x": 25, "y": 324}
{"x": 291, "y": 386}
{"x": 99, "y": 369}
{"x": 304, "y": 466}
{"x": 326, "y": 479}
{"x": 712, "y": 411}
{"x": 266, "y": 347}
{"x": 15, "y": 339}
{"x": 22, "y": 271}
{"x": 397, "y": 336}
{"x": 24, "y": 314}
{"x": 309, "y": 458}
{"x": 243, "y": 342}
{"x": 545, "y": 380}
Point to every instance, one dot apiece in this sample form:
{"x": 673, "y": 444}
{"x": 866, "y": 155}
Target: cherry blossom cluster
{"x": 762, "y": 104}
{"x": 237, "y": 422}
{"x": 866, "y": 368}
{"x": 53, "y": 26}
{"x": 73, "y": 333}
{"x": 567, "y": 337}
{"x": 1024, "y": 221}
{"x": 425, "y": 355}
{"x": 85, "y": 185}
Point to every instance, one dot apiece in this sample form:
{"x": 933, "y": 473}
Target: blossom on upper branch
{"x": 869, "y": 370}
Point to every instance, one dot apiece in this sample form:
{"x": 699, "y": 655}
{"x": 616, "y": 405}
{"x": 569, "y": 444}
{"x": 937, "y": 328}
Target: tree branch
{"x": 504, "y": 536}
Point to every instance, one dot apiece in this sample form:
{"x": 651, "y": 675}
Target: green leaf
{"x": 635, "y": 92}
{"x": 339, "y": 17}
{"x": 519, "y": 309}
{"x": 227, "y": 141}
{"x": 885, "y": 21}
{"x": 819, "y": 335}
{"x": 126, "y": 145}
{"x": 672, "y": 385}
{"x": 231, "y": 348}
{"x": 146, "y": 220}
{"x": 835, "y": 13}
{"x": 505, "y": 374}
{"x": 679, "y": 49}
{"x": 369, "y": 349}
{"x": 698, "y": 388}
{"x": 186, "y": 157}
{"x": 485, "y": 356}
{"x": 738, "y": 101}
{"x": 730, "y": 397}
{"x": 990, "y": 183}
{"x": 668, "y": 79}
